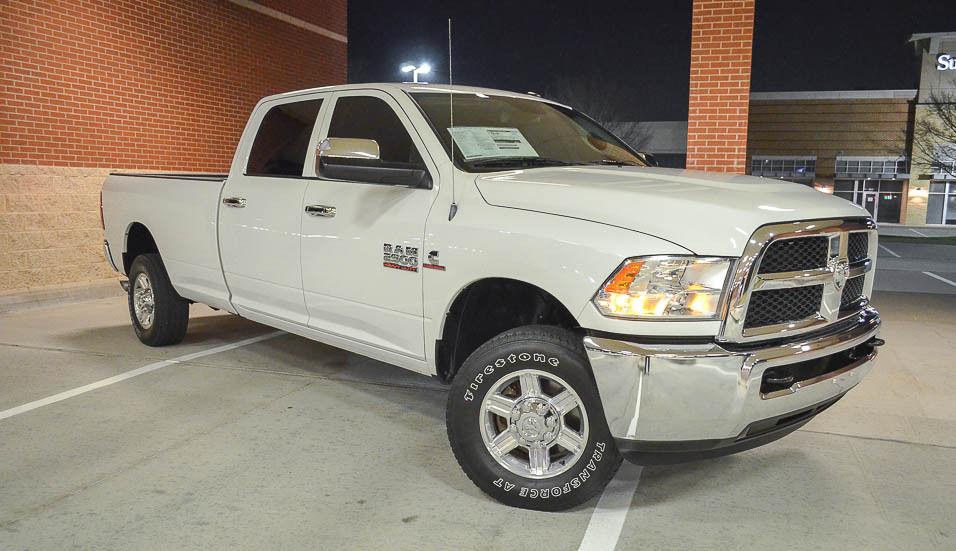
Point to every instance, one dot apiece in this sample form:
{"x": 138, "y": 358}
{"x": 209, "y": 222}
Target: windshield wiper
{"x": 516, "y": 161}
{"x": 611, "y": 162}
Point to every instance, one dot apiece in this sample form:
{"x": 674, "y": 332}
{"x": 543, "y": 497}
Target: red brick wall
{"x": 160, "y": 84}
{"x": 329, "y": 14}
{"x": 721, "y": 47}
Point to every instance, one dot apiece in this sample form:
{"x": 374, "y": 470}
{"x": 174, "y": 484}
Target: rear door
{"x": 362, "y": 261}
{"x": 260, "y": 211}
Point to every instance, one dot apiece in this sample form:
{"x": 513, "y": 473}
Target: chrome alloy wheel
{"x": 534, "y": 424}
{"x": 143, "y": 304}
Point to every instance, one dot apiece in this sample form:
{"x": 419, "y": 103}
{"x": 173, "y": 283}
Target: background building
{"x": 934, "y": 135}
{"x": 90, "y": 86}
{"x": 853, "y": 144}
{"x": 891, "y": 151}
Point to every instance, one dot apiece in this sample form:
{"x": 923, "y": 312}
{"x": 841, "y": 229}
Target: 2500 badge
{"x": 399, "y": 257}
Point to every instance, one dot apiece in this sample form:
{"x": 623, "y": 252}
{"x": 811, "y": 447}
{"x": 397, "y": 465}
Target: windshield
{"x": 500, "y": 132}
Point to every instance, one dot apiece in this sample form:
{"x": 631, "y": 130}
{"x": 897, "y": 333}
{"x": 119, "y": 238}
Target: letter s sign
{"x": 945, "y": 62}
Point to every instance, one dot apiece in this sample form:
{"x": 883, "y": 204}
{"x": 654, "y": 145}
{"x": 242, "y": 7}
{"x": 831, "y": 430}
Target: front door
{"x": 260, "y": 213}
{"x": 362, "y": 242}
{"x": 868, "y": 200}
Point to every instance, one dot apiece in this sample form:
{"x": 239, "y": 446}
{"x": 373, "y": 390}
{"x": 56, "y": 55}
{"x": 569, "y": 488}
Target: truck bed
{"x": 180, "y": 211}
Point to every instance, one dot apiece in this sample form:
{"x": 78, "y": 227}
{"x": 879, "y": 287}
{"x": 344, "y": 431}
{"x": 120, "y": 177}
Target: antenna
{"x": 453, "y": 210}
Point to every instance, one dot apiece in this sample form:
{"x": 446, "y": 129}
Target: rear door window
{"x": 283, "y": 139}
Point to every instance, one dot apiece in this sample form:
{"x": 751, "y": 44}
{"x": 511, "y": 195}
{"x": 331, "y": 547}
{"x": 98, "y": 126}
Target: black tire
{"x": 170, "y": 311}
{"x": 554, "y": 351}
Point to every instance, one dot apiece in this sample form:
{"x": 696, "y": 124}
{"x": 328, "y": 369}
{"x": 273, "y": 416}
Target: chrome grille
{"x": 858, "y": 246}
{"x": 799, "y": 276}
{"x": 782, "y": 305}
{"x": 852, "y": 292}
{"x": 792, "y": 255}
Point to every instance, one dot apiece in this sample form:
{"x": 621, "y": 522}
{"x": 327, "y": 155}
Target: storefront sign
{"x": 946, "y": 62}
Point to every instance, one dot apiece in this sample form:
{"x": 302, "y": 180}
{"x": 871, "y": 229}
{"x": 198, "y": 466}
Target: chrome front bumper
{"x": 709, "y": 392}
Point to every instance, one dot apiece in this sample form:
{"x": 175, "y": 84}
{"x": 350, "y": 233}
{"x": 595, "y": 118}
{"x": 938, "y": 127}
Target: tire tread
{"x": 560, "y": 337}
{"x": 171, "y": 315}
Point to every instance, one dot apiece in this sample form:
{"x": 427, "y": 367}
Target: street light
{"x": 422, "y": 69}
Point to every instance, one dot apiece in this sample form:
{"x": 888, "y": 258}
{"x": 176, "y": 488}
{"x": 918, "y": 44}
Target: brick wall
{"x": 721, "y": 47}
{"x": 88, "y": 86}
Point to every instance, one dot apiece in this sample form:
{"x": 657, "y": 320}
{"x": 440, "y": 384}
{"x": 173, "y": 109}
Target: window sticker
{"x": 477, "y": 142}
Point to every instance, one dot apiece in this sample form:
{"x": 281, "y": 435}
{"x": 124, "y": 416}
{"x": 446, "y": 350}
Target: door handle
{"x": 234, "y": 202}
{"x": 320, "y": 210}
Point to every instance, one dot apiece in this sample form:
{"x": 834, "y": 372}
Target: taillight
{"x": 102, "y": 220}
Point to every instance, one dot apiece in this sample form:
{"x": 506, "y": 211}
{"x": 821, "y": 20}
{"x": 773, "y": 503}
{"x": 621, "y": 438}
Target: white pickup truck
{"x": 583, "y": 305}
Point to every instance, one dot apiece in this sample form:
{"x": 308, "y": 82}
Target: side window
{"x": 371, "y": 118}
{"x": 283, "y": 139}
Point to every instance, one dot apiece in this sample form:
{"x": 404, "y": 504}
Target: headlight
{"x": 671, "y": 287}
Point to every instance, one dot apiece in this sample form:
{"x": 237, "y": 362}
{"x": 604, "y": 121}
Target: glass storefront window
{"x": 883, "y": 199}
{"x": 941, "y": 205}
{"x": 934, "y": 208}
{"x": 794, "y": 169}
{"x": 844, "y": 186}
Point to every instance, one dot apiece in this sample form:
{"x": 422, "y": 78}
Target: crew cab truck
{"x": 583, "y": 305}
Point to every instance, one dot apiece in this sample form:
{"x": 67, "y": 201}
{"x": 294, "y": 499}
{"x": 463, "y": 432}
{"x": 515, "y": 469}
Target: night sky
{"x": 639, "y": 50}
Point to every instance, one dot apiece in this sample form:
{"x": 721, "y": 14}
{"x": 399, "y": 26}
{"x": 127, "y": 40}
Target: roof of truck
{"x": 410, "y": 87}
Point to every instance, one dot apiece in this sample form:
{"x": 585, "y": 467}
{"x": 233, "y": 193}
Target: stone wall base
{"x": 50, "y": 231}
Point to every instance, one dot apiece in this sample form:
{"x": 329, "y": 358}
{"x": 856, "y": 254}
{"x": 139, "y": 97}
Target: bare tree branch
{"x": 934, "y": 134}
{"x": 602, "y": 101}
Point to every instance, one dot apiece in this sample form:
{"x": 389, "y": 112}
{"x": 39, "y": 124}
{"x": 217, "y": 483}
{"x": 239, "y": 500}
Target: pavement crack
{"x": 879, "y": 439}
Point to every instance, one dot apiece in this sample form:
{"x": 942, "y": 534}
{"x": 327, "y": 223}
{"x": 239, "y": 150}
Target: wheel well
{"x": 138, "y": 241}
{"x": 488, "y": 307}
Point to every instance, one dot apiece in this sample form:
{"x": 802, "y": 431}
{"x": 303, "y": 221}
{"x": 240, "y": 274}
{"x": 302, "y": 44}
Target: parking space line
{"x": 30, "y": 406}
{"x": 609, "y": 515}
{"x": 941, "y": 278}
{"x": 885, "y": 248}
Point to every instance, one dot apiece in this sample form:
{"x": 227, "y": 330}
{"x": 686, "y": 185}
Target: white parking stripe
{"x": 130, "y": 374}
{"x": 889, "y": 251}
{"x": 919, "y": 233}
{"x": 941, "y": 278}
{"x": 608, "y": 517}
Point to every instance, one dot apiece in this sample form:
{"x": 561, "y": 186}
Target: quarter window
{"x": 371, "y": 118}
{"x": 283, "y": 139}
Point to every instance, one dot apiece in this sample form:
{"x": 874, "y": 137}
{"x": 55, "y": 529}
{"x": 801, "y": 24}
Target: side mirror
{"x": 358, "y": 160}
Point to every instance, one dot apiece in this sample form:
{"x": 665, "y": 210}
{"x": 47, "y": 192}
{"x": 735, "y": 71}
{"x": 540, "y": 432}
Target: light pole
{"x": 421, "y": 69}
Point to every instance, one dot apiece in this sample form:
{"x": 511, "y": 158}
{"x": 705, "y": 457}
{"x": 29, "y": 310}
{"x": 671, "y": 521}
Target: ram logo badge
{"x": 433, "y": 263}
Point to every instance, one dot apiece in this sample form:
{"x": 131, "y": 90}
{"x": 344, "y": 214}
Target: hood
{"x": 707, "y": 213}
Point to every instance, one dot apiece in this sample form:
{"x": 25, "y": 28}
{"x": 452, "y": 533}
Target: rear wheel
{"x": 526, "y": 423}
{"x": 159, "y": 315}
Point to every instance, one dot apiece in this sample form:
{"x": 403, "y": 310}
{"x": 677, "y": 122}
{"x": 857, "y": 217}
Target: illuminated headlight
{"x": 673, "y": 287}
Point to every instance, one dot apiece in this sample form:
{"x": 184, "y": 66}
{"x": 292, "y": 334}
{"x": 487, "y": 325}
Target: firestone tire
{"x": 565, "y": 406}
{"x": 159, "y": 315}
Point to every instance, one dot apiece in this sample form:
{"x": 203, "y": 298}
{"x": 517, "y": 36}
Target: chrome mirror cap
{"x": 348, "y": 148}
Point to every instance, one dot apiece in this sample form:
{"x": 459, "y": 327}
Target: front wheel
{"x": 526, "y": 423}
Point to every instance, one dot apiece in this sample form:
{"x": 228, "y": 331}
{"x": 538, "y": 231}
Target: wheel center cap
{"x": 534, "y": 421}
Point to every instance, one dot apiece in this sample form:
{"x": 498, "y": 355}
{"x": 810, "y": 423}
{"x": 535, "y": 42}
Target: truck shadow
{"x": 416, "y": 404}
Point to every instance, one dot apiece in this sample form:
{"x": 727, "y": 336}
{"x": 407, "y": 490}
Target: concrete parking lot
{"x": 287, "y": 443}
